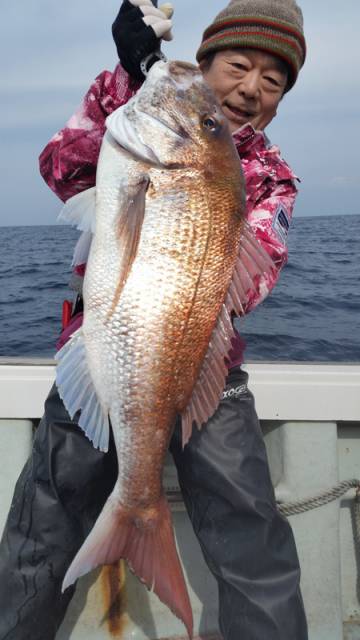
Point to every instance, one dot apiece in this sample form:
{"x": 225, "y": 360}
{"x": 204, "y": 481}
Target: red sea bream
{"x": 171, "y": 259}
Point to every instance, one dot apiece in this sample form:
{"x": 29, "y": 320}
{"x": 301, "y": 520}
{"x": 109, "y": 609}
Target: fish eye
{"x": 210, "y": 123}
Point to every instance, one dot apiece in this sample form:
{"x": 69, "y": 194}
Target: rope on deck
{"x": 306, "y": 504}
{"x": 300, "y": 506}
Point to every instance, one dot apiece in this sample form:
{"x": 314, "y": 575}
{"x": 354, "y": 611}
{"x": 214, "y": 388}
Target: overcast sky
{"x": 51, "y": 51}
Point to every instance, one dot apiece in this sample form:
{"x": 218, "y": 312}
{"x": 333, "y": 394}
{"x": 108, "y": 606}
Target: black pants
{"x": 224, "y": 477}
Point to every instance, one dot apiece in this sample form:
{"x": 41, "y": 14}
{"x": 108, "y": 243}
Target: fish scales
{"x": 166, "y": 292}
{"x": 170, "y": 212}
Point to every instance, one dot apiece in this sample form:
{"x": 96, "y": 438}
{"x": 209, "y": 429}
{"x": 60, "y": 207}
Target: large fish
{"x": 171, "y": 259}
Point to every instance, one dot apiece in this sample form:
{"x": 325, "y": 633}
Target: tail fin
{"x": 146, "y": 540}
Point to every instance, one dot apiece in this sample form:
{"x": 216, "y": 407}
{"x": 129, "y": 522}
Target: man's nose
{"x": 250, "y": 84}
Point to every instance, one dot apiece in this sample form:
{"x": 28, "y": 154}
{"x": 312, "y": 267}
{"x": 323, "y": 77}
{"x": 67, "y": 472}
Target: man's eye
{"x": 272, "y": 81}
{"x": 238, "y": 65}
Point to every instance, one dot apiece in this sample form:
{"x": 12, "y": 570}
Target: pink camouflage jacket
{"x": 68, "y": 165}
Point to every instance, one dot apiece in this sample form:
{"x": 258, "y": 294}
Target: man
{"x": 250, "y": 55}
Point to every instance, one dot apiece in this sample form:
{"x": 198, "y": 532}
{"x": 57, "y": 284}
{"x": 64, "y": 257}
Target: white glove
{"x": 158, "y": 19}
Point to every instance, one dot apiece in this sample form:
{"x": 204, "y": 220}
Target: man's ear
{"x": 202, "y": 65}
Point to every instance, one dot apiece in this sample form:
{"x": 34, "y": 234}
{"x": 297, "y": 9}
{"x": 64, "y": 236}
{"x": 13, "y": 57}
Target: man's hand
{"x": 137, "y": 31}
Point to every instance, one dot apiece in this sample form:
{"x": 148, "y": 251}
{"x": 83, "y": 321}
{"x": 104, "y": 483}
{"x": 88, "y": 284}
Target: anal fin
{"x": 78, "y": 393}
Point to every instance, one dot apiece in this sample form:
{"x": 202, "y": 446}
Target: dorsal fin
{"x": 251, "y": 264}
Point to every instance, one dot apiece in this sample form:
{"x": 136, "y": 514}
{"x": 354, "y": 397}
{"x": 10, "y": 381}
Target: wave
{"x": 313, "y": 314}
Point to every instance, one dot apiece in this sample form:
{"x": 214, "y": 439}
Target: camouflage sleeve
{"x": 270, "y": 221}
{"x": 68, "y": 162}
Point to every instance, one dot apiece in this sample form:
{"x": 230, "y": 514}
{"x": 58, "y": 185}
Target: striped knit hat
{"x": 274, "y": 26}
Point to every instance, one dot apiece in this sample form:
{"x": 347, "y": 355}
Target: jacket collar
{"x": 246, "y": 137}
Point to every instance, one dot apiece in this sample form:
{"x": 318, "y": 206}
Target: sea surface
{"x": 313, "y": 314}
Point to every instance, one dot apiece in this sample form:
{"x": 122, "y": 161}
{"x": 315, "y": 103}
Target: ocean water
{"x": 313, "y": 314}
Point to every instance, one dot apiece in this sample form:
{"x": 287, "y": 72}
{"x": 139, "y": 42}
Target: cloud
{"x": 345, "y": 181}
{"x": 54, "y": 50}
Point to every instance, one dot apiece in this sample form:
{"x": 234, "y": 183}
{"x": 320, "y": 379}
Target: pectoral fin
{"x": 128, "y": 232}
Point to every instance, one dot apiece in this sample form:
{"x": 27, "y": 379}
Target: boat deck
{"x": 310, "y": 415}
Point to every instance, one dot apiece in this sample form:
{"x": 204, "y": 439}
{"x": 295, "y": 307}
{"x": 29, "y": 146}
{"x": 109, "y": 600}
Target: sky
{"x": 51, "y": 51}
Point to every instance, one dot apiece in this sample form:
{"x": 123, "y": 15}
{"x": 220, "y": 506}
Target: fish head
{"x": 175, "y": 121}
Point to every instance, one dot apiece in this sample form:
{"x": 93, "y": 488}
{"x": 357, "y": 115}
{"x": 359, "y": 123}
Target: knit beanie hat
{"x": 274, "y": 26}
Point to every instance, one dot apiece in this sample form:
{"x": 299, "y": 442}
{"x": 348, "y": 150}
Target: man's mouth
{"x": 239, "y": 113}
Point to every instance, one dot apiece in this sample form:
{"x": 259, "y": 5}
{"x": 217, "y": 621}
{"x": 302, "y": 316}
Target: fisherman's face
{"x": 249, "y": 85}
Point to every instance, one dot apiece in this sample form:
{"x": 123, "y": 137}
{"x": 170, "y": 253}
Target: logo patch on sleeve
{"x": 281, "y": 223}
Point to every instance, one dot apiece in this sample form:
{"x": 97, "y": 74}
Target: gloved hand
{"x": 137, "y": 31}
